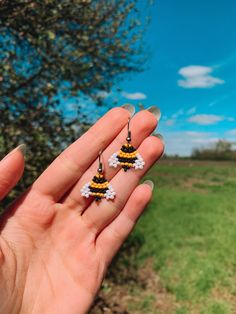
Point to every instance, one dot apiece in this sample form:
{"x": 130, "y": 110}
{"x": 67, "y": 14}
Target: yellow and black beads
{"x": 99, "y": 187}
{"x": 127, "y": 157}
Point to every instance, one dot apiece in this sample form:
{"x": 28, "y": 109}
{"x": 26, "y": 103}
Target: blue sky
{"x": 191, "y": 72}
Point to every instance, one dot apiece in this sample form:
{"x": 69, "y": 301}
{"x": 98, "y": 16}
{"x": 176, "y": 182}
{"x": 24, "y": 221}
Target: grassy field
{"x": 186, "y": 253}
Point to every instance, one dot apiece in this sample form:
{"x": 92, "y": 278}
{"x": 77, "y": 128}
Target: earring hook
{"x": 100, "y": 169}
{"x": 128, "y": 139}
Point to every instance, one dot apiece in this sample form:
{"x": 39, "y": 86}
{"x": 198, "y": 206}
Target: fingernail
{"x": 150, "y": 183}
{"x": 21, "y": 148}
{"x": 161, "y": 138}
{"x": 155, "y": 111}
{"x": 129, "y": 108}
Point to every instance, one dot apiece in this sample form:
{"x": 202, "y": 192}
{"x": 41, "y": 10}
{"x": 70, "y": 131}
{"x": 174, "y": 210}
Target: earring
{"x": 128, "y": 157}
{"x": 99, "y": 187}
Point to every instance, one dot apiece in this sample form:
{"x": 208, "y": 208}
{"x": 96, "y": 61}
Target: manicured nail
{"x": 155, "y": 111}
{"x": 150, "y": 183}
{"x": 21, "y": 148}
{"x": 160, "y": 137}
{"x": 129, "y": 108}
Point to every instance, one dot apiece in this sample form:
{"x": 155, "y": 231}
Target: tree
{"x": 66, "y": 46}
{"x": 53, "y": 50}
{"x": 223, "y": 146}
{"x": 221, "y": 150}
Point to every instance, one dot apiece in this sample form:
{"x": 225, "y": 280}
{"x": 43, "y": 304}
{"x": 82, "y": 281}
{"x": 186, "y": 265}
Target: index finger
{"x": 69, "y": 166}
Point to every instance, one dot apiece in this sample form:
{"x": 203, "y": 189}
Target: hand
{"x": 55, "y": 245}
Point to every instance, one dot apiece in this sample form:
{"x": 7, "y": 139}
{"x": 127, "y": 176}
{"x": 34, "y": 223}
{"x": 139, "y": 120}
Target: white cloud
{"x": 134, "y": 96}
{"x": 211, "y": 104}
{"x": 183, "y": 142}
{"x": 197, "y": 76}
{"x": 231, "y": 132}
{"x": 206, "y": 119}
{"x": 205, "y": 141}
{"x": 170, "y": 122}
{"x": 191, "y": 111}
{"x": 197, "y": 134}
{"x": 221, "y": 99}
{"x": 177, "y": 114}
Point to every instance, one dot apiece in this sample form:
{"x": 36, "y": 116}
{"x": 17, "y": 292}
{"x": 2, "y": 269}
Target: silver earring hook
{"x": 128, "y": 139}
{"x": 100, "y": 169}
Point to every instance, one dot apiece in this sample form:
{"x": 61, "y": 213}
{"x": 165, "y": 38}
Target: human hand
{"x": 55, "y": 245}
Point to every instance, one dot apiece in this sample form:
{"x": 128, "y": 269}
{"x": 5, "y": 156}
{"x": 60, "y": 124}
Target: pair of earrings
{"x": 128, "y": 157}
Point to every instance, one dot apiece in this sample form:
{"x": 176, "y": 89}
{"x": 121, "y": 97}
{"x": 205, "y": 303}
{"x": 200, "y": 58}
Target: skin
{"x": 55, "y": 245}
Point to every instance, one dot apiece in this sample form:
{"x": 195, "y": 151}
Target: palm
{"x": 61, "y": 258}
{"x": 56, "y": 245}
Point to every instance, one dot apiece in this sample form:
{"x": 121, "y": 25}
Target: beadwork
{"x": 127, "y": 157}
{"x": 99, "y": 187}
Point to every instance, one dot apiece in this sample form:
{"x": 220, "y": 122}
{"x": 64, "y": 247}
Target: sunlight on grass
{"x": 190, "y": 231}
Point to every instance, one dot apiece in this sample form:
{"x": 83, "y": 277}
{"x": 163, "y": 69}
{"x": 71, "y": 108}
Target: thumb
{"x": 11, "y": 169}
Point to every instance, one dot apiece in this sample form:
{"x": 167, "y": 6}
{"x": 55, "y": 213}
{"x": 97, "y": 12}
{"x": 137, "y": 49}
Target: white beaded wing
{"x": 110, "y": 193}
{"x": 139, "y": 162}
{"x": 85, "y": 191}
{"x": 98, "y": 189}
{"x": 113, "y": 160}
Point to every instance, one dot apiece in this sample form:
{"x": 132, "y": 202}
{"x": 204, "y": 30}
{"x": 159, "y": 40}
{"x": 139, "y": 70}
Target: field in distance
{"x": 181, "y": 258}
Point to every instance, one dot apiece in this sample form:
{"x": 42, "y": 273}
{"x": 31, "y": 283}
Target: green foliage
{"x": 55, "y": 50}
{"x": 222, "y": 150}
{"x": 189, "y": 232}
{"x": 66, "y": 46}
{"x": 44, "y": 132}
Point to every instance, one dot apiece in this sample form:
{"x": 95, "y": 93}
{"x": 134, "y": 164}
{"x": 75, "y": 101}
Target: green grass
{"x": 190, "y": 232}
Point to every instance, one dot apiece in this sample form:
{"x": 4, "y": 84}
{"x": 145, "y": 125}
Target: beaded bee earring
{"x": 128, "y": 157}
{"x": 99, "y": 187}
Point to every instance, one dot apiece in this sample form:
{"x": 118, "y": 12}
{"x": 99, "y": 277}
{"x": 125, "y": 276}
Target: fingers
{"x": 142, "y": 125}
{"x": 11, "y": 170}
{"x": 69, "y": 166}
{"x": 113, "y": 236}
{"x": 99, "y": 215}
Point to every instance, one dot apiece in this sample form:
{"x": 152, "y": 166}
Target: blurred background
{"x": 64, "y": 63}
